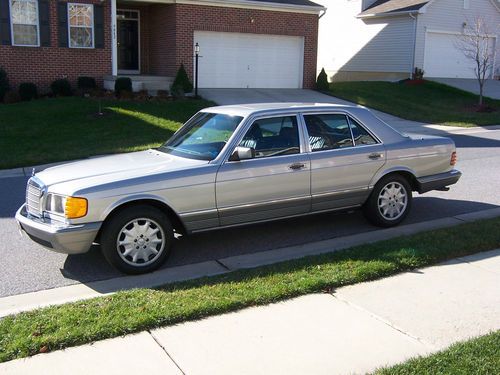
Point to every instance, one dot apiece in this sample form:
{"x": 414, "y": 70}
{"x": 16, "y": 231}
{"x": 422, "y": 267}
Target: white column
{"x": 114, "y": 40}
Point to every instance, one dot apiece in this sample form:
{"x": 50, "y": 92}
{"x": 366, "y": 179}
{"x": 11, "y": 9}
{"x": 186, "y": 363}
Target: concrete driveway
{"x": 242, "y": 96}
{"x": 246, "y": 96}
{"x": 491, "y": 87}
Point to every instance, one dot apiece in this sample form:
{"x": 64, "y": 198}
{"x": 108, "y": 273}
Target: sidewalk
{"x": 353, "y": 330}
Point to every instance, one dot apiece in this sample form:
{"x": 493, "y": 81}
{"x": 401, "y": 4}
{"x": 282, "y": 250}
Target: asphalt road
{"x": 26, "y": 267}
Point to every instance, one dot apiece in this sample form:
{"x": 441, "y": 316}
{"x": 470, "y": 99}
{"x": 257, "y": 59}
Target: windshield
{"x": 202, "y": 137}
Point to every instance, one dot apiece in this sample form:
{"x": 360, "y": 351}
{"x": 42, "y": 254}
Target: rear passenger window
{"x": 273, "y": 136}
{"x": 328, "y": 131}
{"x": 360, "y": 135}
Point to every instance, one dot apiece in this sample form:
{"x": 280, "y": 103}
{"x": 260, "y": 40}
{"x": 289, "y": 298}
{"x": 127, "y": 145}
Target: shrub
{"x": 181, "y": 84}
{"x": 86, "y": 84}
{"x": 11, "y": 97}
{"x": 28, "y": 91}
{"x": 4, "y": 83}
{"x": 322, "y": 81}
{"x": 61, "y": 87}
{"x": 123, "y": 85}
{"x": 418, "y": 73}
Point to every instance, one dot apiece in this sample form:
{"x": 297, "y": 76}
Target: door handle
{"x": 297, "y": 166}
{"x": 375, "y": 156}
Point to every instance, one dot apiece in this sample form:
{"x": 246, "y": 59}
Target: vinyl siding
{"x": 449, "y": 15}
{"x": 349, "y": 44}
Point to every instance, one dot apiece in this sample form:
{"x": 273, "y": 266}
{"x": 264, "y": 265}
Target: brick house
{"x": 242, "y": 43}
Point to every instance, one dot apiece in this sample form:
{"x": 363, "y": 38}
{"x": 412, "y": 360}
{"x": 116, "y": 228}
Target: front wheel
{"x": 389, "y": 202}
{"x": 137, "y": 239}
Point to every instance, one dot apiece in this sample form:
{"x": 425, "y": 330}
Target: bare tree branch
{"x": 475, "y": 44}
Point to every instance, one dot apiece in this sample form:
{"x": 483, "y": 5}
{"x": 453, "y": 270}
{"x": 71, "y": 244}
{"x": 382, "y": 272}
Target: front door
{"x": 276, "y": 183}
{"x": 128, "y": 41}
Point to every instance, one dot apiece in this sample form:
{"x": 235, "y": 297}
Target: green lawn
{"x": 50, "y": 130}
{"x": 479, "y": 356}
{"x": 125, "y": 312}
{"x": 430, "y": 102}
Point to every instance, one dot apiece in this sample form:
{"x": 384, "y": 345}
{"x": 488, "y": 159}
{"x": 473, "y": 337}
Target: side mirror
{"x": 242, "y": 153}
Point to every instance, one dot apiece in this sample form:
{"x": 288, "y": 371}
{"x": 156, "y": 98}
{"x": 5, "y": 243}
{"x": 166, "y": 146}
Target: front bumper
{"x": 438, "y": 181}
{"x": 59, "y": 237}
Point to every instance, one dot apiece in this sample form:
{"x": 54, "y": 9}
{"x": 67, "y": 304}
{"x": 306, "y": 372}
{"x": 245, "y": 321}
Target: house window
{"x": 81, "y": 25}
{"x": 24, "y": 21}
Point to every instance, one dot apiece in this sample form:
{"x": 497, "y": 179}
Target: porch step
{"x": 141, "y": 82}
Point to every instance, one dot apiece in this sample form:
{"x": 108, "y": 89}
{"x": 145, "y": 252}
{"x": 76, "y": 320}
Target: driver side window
{"x": 273, "y": 136}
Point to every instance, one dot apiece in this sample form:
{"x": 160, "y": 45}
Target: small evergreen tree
{"x": 181, "y": 84}
{"x": 322, "y": 81}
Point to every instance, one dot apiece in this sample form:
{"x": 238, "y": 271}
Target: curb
{"x": 30, "y": 301}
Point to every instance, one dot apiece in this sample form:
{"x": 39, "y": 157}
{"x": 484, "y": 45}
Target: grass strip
{"x": 125, "y": 312}
{"x": 429, "y": 102}
{"x": 479, "y": 356}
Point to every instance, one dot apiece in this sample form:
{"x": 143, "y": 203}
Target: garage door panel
{"x": 444, "y": 60}
{"x": 238, "y": 60}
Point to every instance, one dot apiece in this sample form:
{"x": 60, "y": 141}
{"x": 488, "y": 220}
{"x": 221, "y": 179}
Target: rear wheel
{"x": 389, "y": 202}
{"x": 137, "y": 239}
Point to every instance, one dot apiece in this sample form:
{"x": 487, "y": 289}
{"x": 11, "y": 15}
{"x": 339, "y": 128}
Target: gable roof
{"x": 388, "y": 7}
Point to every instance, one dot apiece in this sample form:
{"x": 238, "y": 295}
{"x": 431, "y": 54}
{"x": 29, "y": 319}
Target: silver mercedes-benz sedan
{"x": 234, "y": 165}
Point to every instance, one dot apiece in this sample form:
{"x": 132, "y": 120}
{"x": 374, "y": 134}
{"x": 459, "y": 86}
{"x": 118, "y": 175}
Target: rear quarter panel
{"x": 420, "y": 155}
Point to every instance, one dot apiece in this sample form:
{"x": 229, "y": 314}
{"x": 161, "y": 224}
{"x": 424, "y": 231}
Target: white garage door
{"x": 443, "y": 59}
{"x": 236, "y": 60}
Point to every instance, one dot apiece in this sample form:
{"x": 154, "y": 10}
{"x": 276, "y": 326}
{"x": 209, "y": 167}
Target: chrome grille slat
{"x": 33, "y": 198}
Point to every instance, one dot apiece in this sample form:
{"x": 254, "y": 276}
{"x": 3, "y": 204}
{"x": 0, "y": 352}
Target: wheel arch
{"x": 153, "y": 201}
{"x": 406, "y": 172}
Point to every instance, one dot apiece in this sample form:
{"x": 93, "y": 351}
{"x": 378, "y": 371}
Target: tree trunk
{"x": 481, "y": 94}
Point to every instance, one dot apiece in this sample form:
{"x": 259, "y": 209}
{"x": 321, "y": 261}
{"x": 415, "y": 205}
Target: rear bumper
{"x": 438, "y": 181}
{"x": 59, "y": 237}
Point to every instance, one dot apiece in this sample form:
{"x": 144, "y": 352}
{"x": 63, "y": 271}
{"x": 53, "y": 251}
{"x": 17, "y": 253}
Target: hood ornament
{"x": 32, "y": 172}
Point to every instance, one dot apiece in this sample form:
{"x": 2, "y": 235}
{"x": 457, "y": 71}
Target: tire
{"x": 137, "y": 239}
{"x": 389, "y": 202}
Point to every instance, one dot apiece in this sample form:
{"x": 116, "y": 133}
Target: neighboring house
{"x": 387, "y": 39}
{"x": 243, "y": 43}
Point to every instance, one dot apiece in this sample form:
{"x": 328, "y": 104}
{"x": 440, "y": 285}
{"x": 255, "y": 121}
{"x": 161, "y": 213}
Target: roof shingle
{"x": 393, "y": 6}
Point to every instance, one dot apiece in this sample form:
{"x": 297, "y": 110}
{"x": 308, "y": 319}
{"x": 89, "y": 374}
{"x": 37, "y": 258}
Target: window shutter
{"x": 4, "y": 22}
{"x": 99, "y": 26}
{"x": 44, "y": 18}
{"x": 62, "y": 23}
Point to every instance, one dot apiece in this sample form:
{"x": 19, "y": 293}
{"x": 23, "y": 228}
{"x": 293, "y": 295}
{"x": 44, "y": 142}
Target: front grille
{"x": 33, "y": 198}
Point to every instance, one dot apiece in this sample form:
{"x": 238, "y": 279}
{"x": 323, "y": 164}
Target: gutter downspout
{"x": 414, "y": 43}
{"x": 322, "y": 14}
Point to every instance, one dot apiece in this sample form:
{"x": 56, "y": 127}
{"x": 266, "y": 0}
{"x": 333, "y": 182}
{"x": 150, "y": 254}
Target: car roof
{"x": 382, "y": 130}
{"x": 252, "y": 108}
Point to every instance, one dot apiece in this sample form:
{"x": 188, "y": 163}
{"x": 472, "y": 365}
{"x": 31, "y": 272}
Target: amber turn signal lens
{"x": 453, "y": 159}
{"x": 75, "y": 207}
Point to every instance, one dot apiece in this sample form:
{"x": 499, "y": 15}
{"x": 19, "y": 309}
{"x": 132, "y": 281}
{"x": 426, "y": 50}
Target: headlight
{"x": 69, "y": 207}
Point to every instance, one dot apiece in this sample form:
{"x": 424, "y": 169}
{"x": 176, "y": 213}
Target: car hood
{"x": 106, "y": 169}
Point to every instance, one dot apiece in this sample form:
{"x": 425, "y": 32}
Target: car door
{"x": 275, "y": 183}
{"x": 344, "y": 158}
